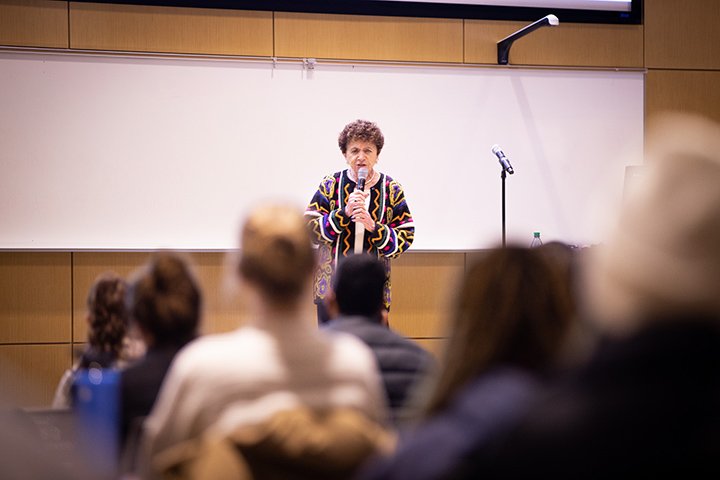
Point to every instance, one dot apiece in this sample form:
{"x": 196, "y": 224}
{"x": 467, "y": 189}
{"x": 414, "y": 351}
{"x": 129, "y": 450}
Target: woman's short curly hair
{"x": 106, "y": 314}
{"x": 361, "y": 130}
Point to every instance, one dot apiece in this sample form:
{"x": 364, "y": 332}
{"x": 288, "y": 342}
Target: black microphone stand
{"x": 505, "y": 169}
{"x": 503, "y": 175}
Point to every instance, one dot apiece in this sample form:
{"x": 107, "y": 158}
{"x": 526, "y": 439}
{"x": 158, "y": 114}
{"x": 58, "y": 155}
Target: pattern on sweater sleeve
{"x": 325, "y": 219}
{"x": 395, "y": 235}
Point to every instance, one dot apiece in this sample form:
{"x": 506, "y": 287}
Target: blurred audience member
{"x": 583, "y": 335}
{"x": 25, "y": 453}
{"x": 509, "y": 322}
{"x": 164, "y": 302}
{"x": 230, "y": 385}
{"x": 107, "y": 342}
{"x": 646, "y": 404}
{"x": 355, "y": 304}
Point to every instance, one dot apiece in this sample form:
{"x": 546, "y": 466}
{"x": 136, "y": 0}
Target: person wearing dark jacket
{"x": 164, "y": 301}
{"x": 356, "y": 306}
{"x": 646, "y": 403}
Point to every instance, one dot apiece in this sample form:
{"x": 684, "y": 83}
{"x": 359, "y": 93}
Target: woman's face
{"x": 360, "y": 153}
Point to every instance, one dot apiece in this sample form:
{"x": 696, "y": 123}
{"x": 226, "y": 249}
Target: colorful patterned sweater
{"x": 334, "y": 232}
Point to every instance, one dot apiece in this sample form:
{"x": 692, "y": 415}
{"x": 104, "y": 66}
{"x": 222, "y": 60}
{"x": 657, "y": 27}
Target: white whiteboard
{"x": 102, "y": 152}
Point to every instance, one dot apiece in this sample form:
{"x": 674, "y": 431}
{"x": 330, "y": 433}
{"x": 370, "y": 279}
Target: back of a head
{"x": 276, "y": 253}
{"x": 563, "y": 258}
{"x": 359, "y": 284}
{"x": 663, "y": 260}
{"x": 559, "y": 253}
{"x": 512, "y": 309}
{"x": 107, "y": 315}
{"x": 165, "y": 300}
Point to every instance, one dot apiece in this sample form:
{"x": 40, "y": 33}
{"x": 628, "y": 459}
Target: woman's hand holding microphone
{"x": 355, "y": 209}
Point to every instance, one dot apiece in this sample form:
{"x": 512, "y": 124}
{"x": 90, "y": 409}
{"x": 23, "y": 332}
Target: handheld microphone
{"x": 359, "y": 227}
{"x": 504, "y": 161}
{"x": 362, "y": 177}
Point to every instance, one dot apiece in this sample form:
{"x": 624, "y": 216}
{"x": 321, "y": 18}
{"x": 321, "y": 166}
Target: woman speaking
{"x": 358, "y": 210}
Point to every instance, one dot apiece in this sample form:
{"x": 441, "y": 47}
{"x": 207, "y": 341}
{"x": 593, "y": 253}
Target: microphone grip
{"x": 506, "y": 165}
{"x": 361, "y": 178}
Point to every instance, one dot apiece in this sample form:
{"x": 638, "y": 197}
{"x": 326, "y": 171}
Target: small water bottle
{"x": 536, "y": 241}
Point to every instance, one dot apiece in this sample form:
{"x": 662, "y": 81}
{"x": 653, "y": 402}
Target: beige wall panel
{"x": 29, "y": 374}
{"x": 166, "y": 29}
{"x": 569, "y": 44}
{"x": 435, "y": 346}
{"x": 687, "y": 91}
{"x": 223, "y": 307}
{"x": 682, "y": 34}
{"x": 422, "y": 284}
{"x": 35, "y": 297}
{"x": 368, "y": 37}
{"x": 34, "y": 23}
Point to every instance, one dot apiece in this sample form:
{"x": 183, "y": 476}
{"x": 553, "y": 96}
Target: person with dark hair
{"x": 277, "y": 362}
{"x": 645, "y": 404}
{"x": 356, "y": 306}
{"x": 584, "y": 335}
{"x": 107, "y": 328}
{"x": 509, "y": 321}
{"x": 346, "y": 219}
{"x": 164, "y": 302}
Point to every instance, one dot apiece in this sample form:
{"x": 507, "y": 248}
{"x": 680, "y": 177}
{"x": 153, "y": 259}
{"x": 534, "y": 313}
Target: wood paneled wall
{"x": 43, "y": 306}
{"x": 42, "y": 294}
{"x": 423, "y": 284}
{"x": 368, "y": 38}
{"x": 568, "y": 44}
{"x": 682, "y": 35}
{"x": 35, "y": 325}
{"x": 680, "y": 90}
{"x": 34, "y": 23}
{"x": 34, "y": 294}
{"x": 177, "y": 30}
{"x": 30, "y": 373}
{"x": 100, "y": 26}
{"x": 682, "y": 55}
